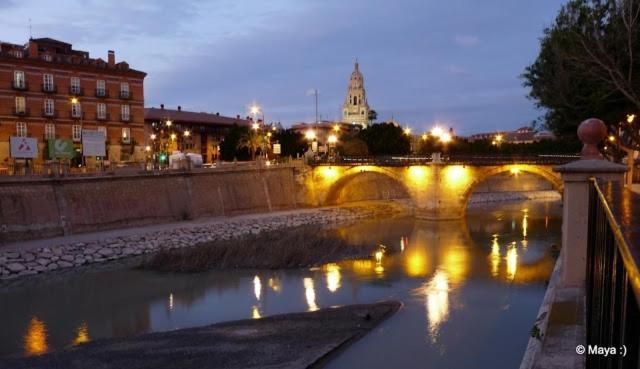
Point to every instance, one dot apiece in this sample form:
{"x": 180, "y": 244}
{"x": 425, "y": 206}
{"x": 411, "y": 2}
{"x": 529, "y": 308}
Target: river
{"x": 471, "y": 290}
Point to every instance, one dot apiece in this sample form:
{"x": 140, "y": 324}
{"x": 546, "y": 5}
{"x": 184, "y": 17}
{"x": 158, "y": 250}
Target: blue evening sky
{"x": 424, "y": 61}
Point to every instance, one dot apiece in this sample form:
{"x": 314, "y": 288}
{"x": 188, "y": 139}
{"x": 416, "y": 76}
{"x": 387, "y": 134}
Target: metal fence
{"x": 613, "y": 279}
{"x": 546, "y": 159}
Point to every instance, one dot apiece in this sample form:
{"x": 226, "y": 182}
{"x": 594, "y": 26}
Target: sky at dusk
{"x": 456, "y": 62}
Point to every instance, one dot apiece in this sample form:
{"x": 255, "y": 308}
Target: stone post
{"x": 577, "y": 180}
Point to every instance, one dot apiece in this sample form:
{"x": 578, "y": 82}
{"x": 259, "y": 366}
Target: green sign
{"x": 61, "y": 148}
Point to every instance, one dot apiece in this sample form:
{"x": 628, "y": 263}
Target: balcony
{"x": 50, "y": 113}
{"x": 126, "y": 95}
{"x": 125, "y": 117}
{"x": 103, "y": 116}
{"x": 102, "y": 93}
{"x": 51, "y": 89}
{"x": 20, "y": 86}
{"x": 76, "y": 91}
{"x": 21, "y": 112}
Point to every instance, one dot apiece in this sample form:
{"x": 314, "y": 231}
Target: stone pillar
{"x": 577, "y": 181}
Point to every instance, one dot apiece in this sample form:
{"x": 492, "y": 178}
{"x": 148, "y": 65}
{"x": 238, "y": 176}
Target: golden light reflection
{"x": 35, "y": 340}
{"x": 333, "y": 276}
{"x": 310, "y": 294}
{"x": 362, "y": 267}
{"x": 82, "y": 334}
{"x": 512, "y": 262}
{"x": 494, "y": 257}
{"x": 274, "y": 284}
{"x": 525, "y": 225}
{"x": 437, "y": 293}
{"x": 329, "y": 173}
{"x": 456, "y": 263}
{"x": 416, "y": 262}
{"x": 379, "y": 269}
{"x": 257, "y": 287}
{"x": 255, "y": 312}
{"x": 456, "y": 174}
{"x": 170, "y": 301}
{"x": 514, "y": 170}
{"x": 417, "y": 174}
{"x": 403, "y": 243}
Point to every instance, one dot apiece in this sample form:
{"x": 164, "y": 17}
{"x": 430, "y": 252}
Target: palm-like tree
{"x": 253, "y": 140}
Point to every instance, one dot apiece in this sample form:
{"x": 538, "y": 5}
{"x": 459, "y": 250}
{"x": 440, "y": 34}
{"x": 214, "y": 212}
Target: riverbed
{"x": 471, "y": 290}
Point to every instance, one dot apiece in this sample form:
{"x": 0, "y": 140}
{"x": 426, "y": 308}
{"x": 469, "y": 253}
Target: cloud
{"x": 466, "y": 40}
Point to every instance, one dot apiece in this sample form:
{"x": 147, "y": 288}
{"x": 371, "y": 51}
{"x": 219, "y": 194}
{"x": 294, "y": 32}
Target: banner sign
{"x": 277, "y": 149}
{"x": 61, "y": 149}
{"x": 23, "y": 147}
{"x": 93, "y": 143}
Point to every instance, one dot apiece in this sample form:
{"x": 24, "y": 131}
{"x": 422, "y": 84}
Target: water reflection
{"x": 257, "y": 287}
{"x": 512, "y": 262}
{"x": 333, "y": 276}
{"x": 35, "y": 340}
{"x": 494, "y": 257}
{"x": 255, "y": 312}
{"x": 82, "y": 334}
{"x": 275, "y": 285}
{"x": 437, "y": 302}
{"x": 310, "y": 294}
{"x": 170, "y": 304}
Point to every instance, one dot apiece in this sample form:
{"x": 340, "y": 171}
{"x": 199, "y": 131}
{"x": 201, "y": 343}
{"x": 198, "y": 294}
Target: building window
{"x": 126, "y": 135}
{"x": 21, "y": 129}
{"x": 124, "y": 87}
{"x": 75, "y": 85}
{"x": 124, "y": 111}
{"x": 76, "y": 110}
{"x": 103, "y": 129}
{"x": 48, "y": 57}
{"x": 102, "y": 110}
{"x": 18, "y": 54}
{"x": 21, "y": 105}
{"x": 48, "y": 107}
{"x": 49, "y": 131}
{"x": 101, "y": 89}
{"x": 76, "y": 132}
{"x": 47, "y": 82}
{"x": 18, "y": 79}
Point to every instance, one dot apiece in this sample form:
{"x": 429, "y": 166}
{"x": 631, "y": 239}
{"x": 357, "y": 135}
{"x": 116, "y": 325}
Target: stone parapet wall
{"x": 52, "y": 207}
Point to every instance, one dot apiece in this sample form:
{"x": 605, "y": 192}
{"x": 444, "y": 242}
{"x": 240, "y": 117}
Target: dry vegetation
{"x": 302, "y": 247}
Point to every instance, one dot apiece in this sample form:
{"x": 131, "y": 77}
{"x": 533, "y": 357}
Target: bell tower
{"x": 355, "y": 109}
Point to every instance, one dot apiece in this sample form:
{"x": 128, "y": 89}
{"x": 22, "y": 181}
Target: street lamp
{"x": 407, "y": 131}
{"x": 310, "y": 134}
{"x": 437, "y": 131}
{"x": 631, "y": 118}
{"x": 186, "y": 133}
{"x": 332, "y": 139}
{"x": 76, "y": 101}
{"x": 446, "y": 138}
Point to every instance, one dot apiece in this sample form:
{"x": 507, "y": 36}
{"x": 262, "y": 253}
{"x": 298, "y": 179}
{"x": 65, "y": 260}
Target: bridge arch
{"x": 481, "y": 174}
{"x": 349, "y": 175}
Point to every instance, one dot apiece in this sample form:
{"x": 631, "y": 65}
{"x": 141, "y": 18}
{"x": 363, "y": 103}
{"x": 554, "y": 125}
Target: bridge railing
{"x": 400, "y": 160}
{"x": 613, "y": 276}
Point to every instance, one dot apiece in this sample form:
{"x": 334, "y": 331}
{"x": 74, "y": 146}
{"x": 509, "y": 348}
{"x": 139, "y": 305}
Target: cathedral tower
{"x": 355, "y": 109}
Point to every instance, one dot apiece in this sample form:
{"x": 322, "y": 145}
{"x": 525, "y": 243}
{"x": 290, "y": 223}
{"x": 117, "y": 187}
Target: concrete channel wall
{"x": 50, "y": 207}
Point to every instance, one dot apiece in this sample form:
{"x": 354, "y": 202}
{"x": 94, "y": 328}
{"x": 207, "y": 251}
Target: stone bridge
{"x": 440, "y": 191}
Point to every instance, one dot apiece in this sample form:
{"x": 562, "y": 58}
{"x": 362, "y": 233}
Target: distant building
{"x": 355, "y": 109}
{"x": 520, "y": 135}
{"x": 195, "y": 132}
{"x": 48, "y": 90}
{"x": 321, "y": 131}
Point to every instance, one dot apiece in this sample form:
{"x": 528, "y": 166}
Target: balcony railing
{"x": 125, "y": 117}
{"x": 50, "y": 113}
{"x": 21, "y": 112}
{"x": 613, "y": 277}
{"x": 49, "y": 88}
{"x": 76, "y": 115}
{"x": 20, "y": 86}
{"x": 126, "y": 95}
{"x": 102, "y": 93}
{"x": 104, "y": 116}
{"x": 76, "y": 91}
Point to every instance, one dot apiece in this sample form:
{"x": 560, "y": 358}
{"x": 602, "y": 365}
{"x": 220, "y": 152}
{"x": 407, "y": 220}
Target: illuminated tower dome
{"x": 355, "y": 109}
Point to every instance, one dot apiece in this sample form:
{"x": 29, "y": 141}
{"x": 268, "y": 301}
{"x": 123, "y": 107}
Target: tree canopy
{"x": 587, "y": 65}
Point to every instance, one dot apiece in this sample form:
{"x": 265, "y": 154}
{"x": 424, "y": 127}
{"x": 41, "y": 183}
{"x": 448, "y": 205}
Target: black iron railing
{"x": 613, "y": 279}
{"x": 542, "y": 159}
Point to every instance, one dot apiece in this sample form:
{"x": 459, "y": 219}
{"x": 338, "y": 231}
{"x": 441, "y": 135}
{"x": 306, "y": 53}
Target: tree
{"x": 254, "y": 141}
{"x": 587, "y": 67}
{"x": 229, "y": 145}
{"x": 385, "y": 139}
{"x": 292, "y": 142}
{"x": 373, "y": 116}
{"x": 352, "y": 146}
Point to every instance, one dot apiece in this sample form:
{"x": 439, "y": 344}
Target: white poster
{"x": 277, "y": 149}
{"x": 93, "y": 142}
{"x": 23, "y": 147}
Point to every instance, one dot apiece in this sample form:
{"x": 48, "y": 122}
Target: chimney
{"x": 179, "y": 108}
{"x": 161, "y": 106}
{"x": 33, "y": 49}
{"x": 111, "y": 59}
{"x": 238, "y": 116}
{"x": 218, "y": 114}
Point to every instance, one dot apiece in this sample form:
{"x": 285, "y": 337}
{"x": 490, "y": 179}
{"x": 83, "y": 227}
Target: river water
{"x": 471, "y": 290}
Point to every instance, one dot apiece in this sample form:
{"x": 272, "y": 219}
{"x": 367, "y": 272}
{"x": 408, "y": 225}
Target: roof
{"x": 182, "y": 116}
{"x": 50, "y": 40}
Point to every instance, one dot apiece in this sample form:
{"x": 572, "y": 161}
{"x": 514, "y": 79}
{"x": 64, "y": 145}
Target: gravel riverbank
{"x": 17, "y": 263}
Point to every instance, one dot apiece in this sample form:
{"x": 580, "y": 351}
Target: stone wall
{"x": 508, "y": 182}
{"x": 369, "y": 186}
{"x": 51, "y": 207}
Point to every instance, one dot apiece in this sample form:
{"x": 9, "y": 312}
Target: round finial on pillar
{"x": 591, "y": 132}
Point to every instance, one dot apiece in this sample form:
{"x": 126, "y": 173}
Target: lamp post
{"x": 76, "y": 101}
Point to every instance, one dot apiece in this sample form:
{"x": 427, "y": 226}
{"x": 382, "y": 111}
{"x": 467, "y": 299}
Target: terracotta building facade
{"x": 48, "y": 91}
